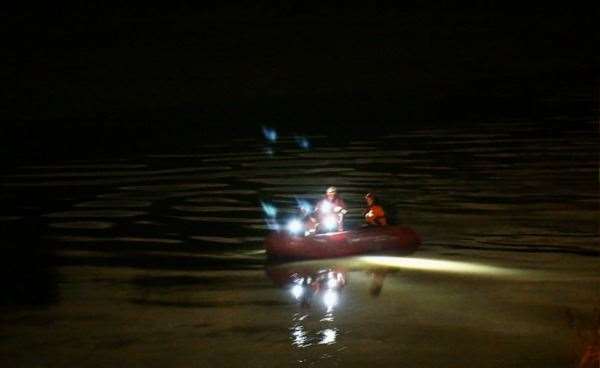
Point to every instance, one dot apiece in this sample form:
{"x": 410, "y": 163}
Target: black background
{"x": 101, "y": 78}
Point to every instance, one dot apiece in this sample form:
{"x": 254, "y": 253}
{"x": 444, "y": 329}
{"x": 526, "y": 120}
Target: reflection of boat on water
{"x": 285, "y": 274}
{"x": 318, "y": 288}
{"x": 305, "y": 283}
{"x": 305, "y": 280}
{"x": 340, "y": 244}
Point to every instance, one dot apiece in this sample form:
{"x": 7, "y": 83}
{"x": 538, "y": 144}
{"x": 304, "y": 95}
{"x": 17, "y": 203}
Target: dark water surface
{"x": 157, "y": 259}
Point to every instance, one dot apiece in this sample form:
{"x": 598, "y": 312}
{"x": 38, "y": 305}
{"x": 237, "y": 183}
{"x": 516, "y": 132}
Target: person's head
{"x": 370, "y": 199}
{"x": 331, "y": 193}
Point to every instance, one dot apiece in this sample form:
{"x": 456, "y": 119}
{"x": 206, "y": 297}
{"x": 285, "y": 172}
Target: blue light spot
{"x": 272, "y": 224}
{"x": 304, "y": 206}
{"x": 269, "y": 209}
{"x": 303, "y": 142}
{"x": 270, "y": 134}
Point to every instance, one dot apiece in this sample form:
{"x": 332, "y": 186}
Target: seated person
{"x": 329, "y": 212}
{"x": 374, "y": 213}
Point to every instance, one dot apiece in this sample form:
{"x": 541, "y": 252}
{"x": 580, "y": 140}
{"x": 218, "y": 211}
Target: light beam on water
{"x": 434, "y": 265}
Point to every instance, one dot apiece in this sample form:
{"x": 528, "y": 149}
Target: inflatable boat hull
{"x": 281, "y": 245}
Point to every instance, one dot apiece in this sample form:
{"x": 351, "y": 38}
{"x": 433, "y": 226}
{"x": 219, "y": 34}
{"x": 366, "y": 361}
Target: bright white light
{"x": 329, "y": 336}
{"x": 295, "y": 226}
{"x": 297, "y": 291}
{"x": 299, "y": 336}
{"x": 330, "y": 299}
{"x": 330, "y": 223}
{"x": 326, "y": 207}
{"x": 436, "y": 265}
{"x": 331, "y": 283}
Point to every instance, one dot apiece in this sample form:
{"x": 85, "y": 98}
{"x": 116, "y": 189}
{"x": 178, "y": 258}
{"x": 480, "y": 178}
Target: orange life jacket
{"x": 375, "y": 215}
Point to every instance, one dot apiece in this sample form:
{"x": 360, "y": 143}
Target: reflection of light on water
{"x": 329, "y": 336}
{"x": 330, "y": 299}
{"x": 436, "y": 265}
{"x": 328, "y": 318}
{"x": 306, "y": 334}
{"x": 299, "y": 336}
{"x": 327, "y": 286}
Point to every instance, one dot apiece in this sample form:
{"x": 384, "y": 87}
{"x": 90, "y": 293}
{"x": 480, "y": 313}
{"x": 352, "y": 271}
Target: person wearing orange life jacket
{"x": 329, "y": 212}
{"x": 374, "y": 213}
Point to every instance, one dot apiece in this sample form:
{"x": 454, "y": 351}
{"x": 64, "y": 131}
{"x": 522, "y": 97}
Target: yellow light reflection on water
{"x": 329, "y": 336}
{"x": 434, "y": 265}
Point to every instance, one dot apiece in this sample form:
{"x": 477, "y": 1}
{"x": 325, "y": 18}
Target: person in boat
{"x": 374, "y": 214}
{"x": 331, "y": 208}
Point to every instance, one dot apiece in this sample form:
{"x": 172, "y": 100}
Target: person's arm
{"x": 379, "y": 215}
{"x": 341, "y": 207}
{"x": 369, "y": 215}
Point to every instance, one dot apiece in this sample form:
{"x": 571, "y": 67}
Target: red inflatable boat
{"x": 341, "y": 244}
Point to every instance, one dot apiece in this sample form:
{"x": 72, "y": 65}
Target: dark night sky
{"x": 291, "y": 63}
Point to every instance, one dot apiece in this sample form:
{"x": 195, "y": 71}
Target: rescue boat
{"x": 285, "y": 245}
